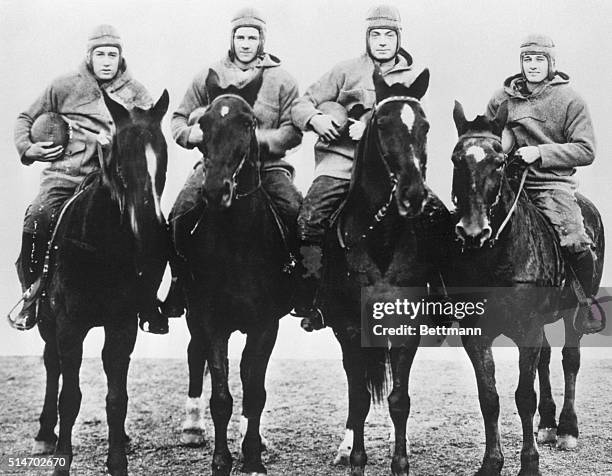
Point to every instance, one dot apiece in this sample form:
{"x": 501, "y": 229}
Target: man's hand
{"x": 528, "y": 154}
{"x": 196, "y": 136}
{"x": 43, "y": 151}
{"x": 356, "y": 129}
{"x": 325, "y": 126}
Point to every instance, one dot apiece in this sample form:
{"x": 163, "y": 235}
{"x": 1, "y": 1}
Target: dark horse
{"x": 108, "y": 232}
{"x": 514, "y": 248}
{"x": 236, "y": 261}
{"x": 390, "y": 234}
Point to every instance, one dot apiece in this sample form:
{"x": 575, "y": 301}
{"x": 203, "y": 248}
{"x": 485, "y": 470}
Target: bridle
{"x": 491, "y": 210}
{"x": 393, "y": 180}
{"x": 246, "y": 156}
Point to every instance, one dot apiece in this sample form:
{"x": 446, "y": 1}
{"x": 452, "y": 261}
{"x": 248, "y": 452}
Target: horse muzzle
{"x": 221, "y": 196}
{"x": 472, "y": 235}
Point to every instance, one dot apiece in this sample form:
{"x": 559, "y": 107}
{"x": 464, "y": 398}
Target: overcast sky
{"x": 469, "y": 46}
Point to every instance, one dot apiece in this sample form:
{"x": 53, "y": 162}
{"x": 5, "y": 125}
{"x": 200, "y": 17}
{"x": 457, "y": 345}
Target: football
{"x": 50, "y": 127}
{"x": 336, "y": 111}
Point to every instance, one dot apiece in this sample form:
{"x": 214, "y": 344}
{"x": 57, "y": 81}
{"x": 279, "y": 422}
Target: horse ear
{"x": 119, "y": 114}
{"x": 161, "y": 106}
{"x": 500, "y": 118}
{"x": 459, "y": 118}
{"x": 250, "y": 91}
{"x": 212, "y": 85}
{"x": 419, "y": 87}
{"x": 380, "y": 85}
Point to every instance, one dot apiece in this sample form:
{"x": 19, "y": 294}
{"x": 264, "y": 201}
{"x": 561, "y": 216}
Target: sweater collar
{"x": 515, "y": 85}
{"x": 120, "y": 80}
{"x": 403, "y": 61}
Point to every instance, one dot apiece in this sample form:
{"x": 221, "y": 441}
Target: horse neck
{"x": 249, "y": 178}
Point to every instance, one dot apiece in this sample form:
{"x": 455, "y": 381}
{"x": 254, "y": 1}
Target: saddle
{"x": 36, "y": 291}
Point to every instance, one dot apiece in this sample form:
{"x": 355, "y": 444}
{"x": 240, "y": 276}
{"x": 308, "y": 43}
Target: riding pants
{"x": 323, "y": 199}
{"x": 563, "y": 212}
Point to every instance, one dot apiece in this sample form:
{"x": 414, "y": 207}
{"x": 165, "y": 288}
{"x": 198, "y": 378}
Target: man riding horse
{"x": 549, "y": 128}
{"x": 77, "y": 99}
{"x": 350, "y": 84}
{"x": 275, "y": 135}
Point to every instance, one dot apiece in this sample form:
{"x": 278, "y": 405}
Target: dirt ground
{"x": 304, "y": 419}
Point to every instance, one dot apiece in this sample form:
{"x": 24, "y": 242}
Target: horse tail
{"x": 377, "y": 372}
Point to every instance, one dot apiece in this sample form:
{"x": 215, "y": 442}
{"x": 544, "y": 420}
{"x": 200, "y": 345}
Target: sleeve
{"x": 287, "y": 136}
{"x": 579, "y": 148}
{"x": 45, "y": 103}
{"x": 195, "y": 97}
{"x": 327, "y": 88}
{"x": 492, "y": 107}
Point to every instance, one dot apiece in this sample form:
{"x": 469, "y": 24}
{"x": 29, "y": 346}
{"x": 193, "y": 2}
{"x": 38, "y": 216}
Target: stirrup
{"x": 21, "y": 321}
{"x": 587, "y": 324}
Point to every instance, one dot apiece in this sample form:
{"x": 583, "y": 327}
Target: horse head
{"x": 480, "y": 187}
{"x": 230, "y": 149}
{"x": 136, "y": 172}
{"x": 398, "y": 127}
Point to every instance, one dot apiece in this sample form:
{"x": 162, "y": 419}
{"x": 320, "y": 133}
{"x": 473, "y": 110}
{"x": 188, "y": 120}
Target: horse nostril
{"x": 226, "y": 196}
{"x": 460, "y": 232}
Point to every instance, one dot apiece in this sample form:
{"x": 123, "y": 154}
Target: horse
{"x": 506, "y": 242}
{"x": 107, "y": 233}
{"x": 391, "y": 232}
{"x": 237, "y": 277}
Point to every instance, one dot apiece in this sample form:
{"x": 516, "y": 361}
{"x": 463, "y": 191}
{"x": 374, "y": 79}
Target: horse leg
{"x": 45, "y": 440}
{"x": 118, "y": 346}
{"x": 547, "y": 428}
{"x": 525, "y": 398}
{"x": 567, "y": 433}
{"x": 359, "y": 401}
{"x": 479, "y": 352}
{"x": 221, "y": 403}
{"x": 253, "y": 365}
{"x": 192, "y": 428}
{"x": 399, "y": 405}
{"x": 343, "y": 454}
{"x": 70, "y": 350}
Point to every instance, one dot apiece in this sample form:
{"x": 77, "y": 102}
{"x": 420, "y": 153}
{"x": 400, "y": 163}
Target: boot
{"x": 175, "y": 303}
{"x": 590, "y": 317}
{"x": 151, "y": 271}
{"x": 309, "y": 281}
{"x": 31, "y": 260}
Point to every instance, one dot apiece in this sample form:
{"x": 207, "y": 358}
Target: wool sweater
{"x": 349, "y": 83}
{"x": 272, "y": 107}
{"x": 78, "y": 98}
{"x": 554, "y": 118}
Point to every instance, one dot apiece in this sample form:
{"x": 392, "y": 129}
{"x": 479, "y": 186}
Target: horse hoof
{"x": 342, "y": 458}
{"x": 118, "y": 472}
{"x": 567, "y": 442}
{"x": 193, "y": 438}
{"x": 256, "y": 469}
{"x": 43, "y": 447}
{"x": 547, "y": 435}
